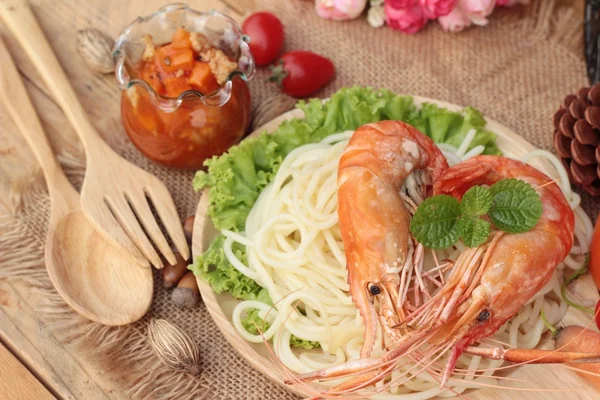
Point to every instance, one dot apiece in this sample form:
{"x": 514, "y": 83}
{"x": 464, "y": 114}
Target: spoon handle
{"x": 15, "y": 99}
{"x": 22, "y": 23}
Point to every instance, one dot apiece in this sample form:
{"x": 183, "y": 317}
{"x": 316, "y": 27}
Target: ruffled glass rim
{"x": 169, "y": 104}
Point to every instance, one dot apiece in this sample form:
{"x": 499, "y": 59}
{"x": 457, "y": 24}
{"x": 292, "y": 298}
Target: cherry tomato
{"x": 301, "y": 73}
{"x": 266, "y": 36}
{"x": 594, "y": 265}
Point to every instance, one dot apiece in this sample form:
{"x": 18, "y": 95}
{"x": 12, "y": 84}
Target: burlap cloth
{"x": 517, "y": 70}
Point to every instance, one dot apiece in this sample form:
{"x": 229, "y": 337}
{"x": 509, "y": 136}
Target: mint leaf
{"x": 476, "y": 201}
{"x": 474, "y": 231}
{"x": 435, "y": 224}
{"x": 516, "y": 206}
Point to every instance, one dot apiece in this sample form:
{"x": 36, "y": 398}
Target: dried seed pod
{"x": 582, "y": 94}
{"x": 584, "y": 155}
{"x": 566, "y": 125}
{"x": 173, "y": 273}
{"x": 583, "y": 174}
{"x": 577, "y": 108}
{"x": 592, "y": 116}
{"x": 188, "y": 227}
{"x": 562, "y": 145}
{"x": 271, "y": 108}
{"x": 594, "y": 95}
{"x": 186, "y": 294}
{"x": 174, "y": 347}
{"x": 96, "y": 50}
{"x": 585, "y": 134}
{"x": 568, "y": 100}
{"x": 557, "y": 116}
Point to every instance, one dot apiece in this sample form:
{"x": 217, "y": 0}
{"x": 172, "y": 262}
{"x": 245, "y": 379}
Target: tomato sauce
{"x": 184, "y": 138}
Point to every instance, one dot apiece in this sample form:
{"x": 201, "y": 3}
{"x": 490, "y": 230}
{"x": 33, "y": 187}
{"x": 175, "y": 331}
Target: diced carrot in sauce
{"x": 181, "y": 39}
{"x": 150, "y": 76}
{"x": 176, "y": 85}
{"x": 202, "y": 78}
{"x": 173, "y": 58}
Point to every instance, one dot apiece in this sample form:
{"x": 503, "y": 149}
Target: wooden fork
{"x": 115, "y": 192}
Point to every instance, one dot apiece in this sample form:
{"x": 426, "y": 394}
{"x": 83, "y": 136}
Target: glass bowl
{"x": 184, "y": 131}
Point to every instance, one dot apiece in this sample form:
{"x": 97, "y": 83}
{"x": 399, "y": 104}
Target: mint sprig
{"x": 516, "y": 206}
{"x": 435, "y": 224}
{"x": 476, "y": 201}
{"x": 511, "y": 205}
{"x": 474, "y": 231}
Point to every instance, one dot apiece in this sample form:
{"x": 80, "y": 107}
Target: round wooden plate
{"x": 221, "y": 306}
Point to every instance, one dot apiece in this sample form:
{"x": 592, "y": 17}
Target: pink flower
{"x": 402, "y": 3}
{"x": 477, "y": 10}
{"x": 339, "y": 10}
{"x": 456, "y": 21}
{"x": 437, "y": 8}
{"x": 510, "y": 3}
{"x": 408, "y": 20}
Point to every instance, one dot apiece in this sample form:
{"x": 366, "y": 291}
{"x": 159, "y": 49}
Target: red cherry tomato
{"x": 594, "y": 265}
{"x": 597, "y": 314}
{"x": 266, "y": 36}
{"x": 301, "y": 73}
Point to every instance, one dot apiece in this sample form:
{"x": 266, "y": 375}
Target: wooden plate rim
{"x": 202, "y": 224}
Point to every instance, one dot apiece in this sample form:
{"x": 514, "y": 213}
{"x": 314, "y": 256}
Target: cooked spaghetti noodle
{"x": 294, "y": 250}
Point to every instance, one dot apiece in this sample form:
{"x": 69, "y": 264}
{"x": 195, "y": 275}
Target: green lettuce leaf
{"x": 445, "y": 126}
{"x": 212, "y": 266}
{"x": 295, "y": 341}
{"x": 254, "y": 324}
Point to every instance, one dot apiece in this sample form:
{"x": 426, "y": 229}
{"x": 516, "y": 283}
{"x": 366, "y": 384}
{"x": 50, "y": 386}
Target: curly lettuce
{"x": 450, "y": 127}
{"x": 212, "y": 266}
{"x": 254, "y": 324}
{"x": 237, "y": 177}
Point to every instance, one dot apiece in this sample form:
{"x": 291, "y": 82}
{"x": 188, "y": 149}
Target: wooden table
{"x": 33, "y": 363}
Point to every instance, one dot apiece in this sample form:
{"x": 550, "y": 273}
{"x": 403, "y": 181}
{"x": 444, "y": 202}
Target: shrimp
{"x": 514, "y": 267}
{"x": 486, "y": 285}
{"x": 382, "y": 160}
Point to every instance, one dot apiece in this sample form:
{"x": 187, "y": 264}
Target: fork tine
{"x": 124, "y": 214}
{"x": 165, "y": 207}
{"x": 105, "y": 222}
{"x": 144, "y": 214}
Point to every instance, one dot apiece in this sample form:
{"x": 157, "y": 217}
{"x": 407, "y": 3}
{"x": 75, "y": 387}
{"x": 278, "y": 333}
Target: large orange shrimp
{"x": 384, "y": 165}
{"x": 485, "y": 287}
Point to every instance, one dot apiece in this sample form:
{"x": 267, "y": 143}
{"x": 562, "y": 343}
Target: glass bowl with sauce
{"x": 183, "y": 77}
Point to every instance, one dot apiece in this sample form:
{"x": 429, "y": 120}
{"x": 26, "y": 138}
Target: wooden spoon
{"x": 98, "y": 279}
{"x": 116, "y": 193}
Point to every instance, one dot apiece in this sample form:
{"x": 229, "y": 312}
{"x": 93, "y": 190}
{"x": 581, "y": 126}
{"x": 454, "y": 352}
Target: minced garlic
{"x": 148, "y": 53}
{"x": 219, "y": 64}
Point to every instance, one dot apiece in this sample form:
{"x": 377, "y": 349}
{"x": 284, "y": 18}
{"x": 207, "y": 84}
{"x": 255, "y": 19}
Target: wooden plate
{"x": 221, "y": 306}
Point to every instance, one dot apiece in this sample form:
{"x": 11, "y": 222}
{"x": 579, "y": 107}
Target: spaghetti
{"x": 295, "y": 251}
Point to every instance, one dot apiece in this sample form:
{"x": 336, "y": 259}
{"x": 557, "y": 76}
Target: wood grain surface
{"x": 16, "y": 382}
{"x": 58, "y": 366}
{"x": 67, "y": 373}
{"x": 106, "y": 287}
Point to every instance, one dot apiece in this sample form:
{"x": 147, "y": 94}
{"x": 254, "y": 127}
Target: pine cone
{"x": 577, "y": 138}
